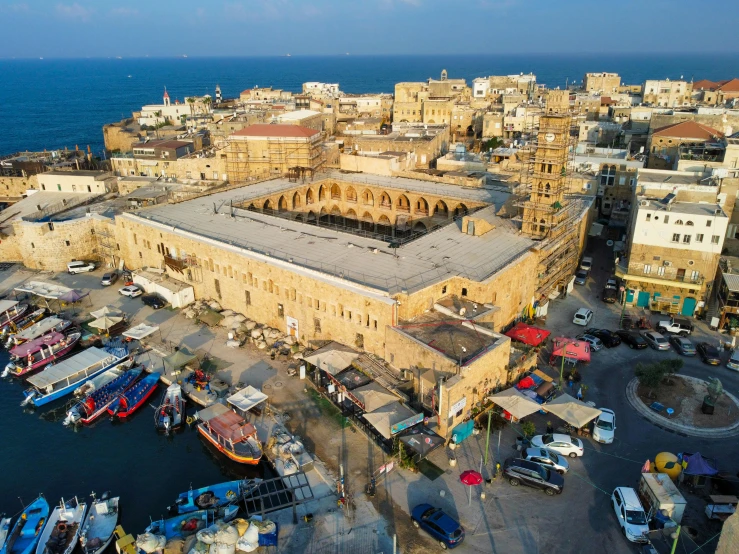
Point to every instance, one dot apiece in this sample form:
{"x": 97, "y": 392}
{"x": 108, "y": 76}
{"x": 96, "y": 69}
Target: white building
{"x": 156, "y": 114}
{"x": 322, "y": 89}
{"x": 480, "y": 87}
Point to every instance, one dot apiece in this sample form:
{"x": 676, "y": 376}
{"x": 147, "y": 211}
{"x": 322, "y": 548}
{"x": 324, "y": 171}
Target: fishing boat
{"x": 97, "y": 382}
{"x": 10, "y": 311}
{"x": 97, "y": 402}
{"x": 33, "y": 355}
{"x": 100, "y": 523}
{"x": 4, "y": 529}
{"x": 63, "y": 529}
{"x": 214, "y": 496}
{"x": 134, "y": 397}
{"x": 183, "y": 525}
{"x": 171, "y": 412}
{"x": 27, "y": 530}
{"x": 230, "y": 434}
{"x": 14, "y": 327}
{"x": 38, "y": 329}
{"x": 61, "y": 378}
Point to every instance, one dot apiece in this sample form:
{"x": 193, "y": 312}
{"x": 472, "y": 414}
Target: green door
{"x": 629, "y": 296}
{"x": 688, "y": 306}
{"x": 643, "y": 299}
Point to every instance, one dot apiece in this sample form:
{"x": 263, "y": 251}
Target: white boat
{"x": 38, "y": 329}
{"x": 63, "y": 528}
{"x": 97, "y": 382}
{"x": 171, "y": 412}
{"x": 4, "y": 530}
{"x": 100, "y": 523}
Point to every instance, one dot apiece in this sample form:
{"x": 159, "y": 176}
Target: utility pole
{"x": 487, "y": 438}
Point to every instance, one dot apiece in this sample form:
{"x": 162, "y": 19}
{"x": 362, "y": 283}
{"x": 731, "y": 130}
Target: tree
{"x": 528, "y": 429}
{"x": 191, "y": 101}
{"x": 207, "y": 101}
{"x": 650, "y": 375}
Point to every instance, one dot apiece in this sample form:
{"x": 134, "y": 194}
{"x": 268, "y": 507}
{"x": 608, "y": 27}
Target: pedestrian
{"x": 569, "y": 380}
{"x": 579, "y": 393}
{"x": 550, "y": 428}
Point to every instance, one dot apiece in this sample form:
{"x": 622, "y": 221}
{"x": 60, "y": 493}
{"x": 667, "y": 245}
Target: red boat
{"x": 230, "y": 434}
{"x": 33, "y": 355}
{"x": 134, "y": 397}
{"x": 10, "y": 310}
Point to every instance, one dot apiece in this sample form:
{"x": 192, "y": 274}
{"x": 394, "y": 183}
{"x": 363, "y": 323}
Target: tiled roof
{"x": 269, "y": 130}
{"x": 705, "y": 84}
{"x": 730, "y": 86}
{"x": 688, "y": 129}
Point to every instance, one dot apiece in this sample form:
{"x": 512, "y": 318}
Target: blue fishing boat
{"x": 184, "y": 525}
{"x": 214, "y": 496}
{"x": 61, "y": 378}
{"x": 131, "y": 400}
{"x": 97, "y": 402}
{"x": 27, "y": 530}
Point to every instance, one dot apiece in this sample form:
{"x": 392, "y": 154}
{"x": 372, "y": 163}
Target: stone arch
{"x": 385, "y": 201}
{"x": 441, "y": 209}
{"x": 351, "y": 195}
{"x": 419, "y": 227}
{"x": 384, "y": 225}
{"x": 323, "y": 217}
{"x": 311, "y": 218}
{"x": 422, "y": 207}
{"x": 252, "y": 208}
{"x": 282, "y": 204}
{"x": 542, "y": 226}
{"x": 297, "y": 201}
{"x": 402, "y": 204}
{"x": 368, "y": 198}
{"x": 351, "y": 220}
{"x": 335, "y": 216}
{"x": 309, "y": 198}
{"x": 460, "y": 210}
{"x": 367, "y": 223}
{"x": 322, "y": 194}
{"x": 298, "y": 216}
{"x": 335, "y": 192}
{"x": 268, "y": 206}
{"x": 431, "y": 121}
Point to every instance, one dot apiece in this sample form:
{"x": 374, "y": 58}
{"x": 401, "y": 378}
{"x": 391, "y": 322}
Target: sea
{"x": 57, "y": 103}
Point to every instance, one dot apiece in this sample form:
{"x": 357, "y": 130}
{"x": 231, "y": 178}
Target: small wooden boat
{"x": 19, "y": 325}
{"x": 99, "y": 526}
{"x": 27, "y": 530}
{"x": 63, "y": 529}
{"x": 97, "y": 402}
{"x": 10, "y": 311}
{"x": 134, "y": 397}
{"x": 171, "y": 412}
{"x": 4, "y": 529}
{"x": 230, "y": 434}
{"x": 214, "y": 496}
{"x": 32, "y": 356}
{"x": 61, "y": 378}
{"x": 38, "y": 329}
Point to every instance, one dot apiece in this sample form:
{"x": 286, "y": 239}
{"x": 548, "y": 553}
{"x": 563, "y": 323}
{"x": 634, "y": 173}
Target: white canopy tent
{"x": 385, "y": 417}
{"x": 6, "y": 305}
{"x": 106, "y": 322}
{"x": 246, "y": 398}
{"x": 515, "y": 403}
{"x": 105, "y": 310}
{"x": 141, "y": 331}
{"x": 333, "y": 358}
{"x": 49, "y": 291}
{"x": 374, "y": 396}
{"x": 571, "y": 410}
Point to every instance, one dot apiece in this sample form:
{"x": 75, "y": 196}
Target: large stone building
{"x": 666, "y": 145}
{"x": 667, "y": 93}
{"x": 602, "y": 83}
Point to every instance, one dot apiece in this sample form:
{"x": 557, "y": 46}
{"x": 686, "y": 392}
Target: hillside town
{"x": 416, "y": 302}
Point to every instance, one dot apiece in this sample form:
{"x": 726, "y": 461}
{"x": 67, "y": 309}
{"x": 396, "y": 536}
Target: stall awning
{"x": 333, "y": 358}
{"x": 421, "y": 440}
{"x": 44, "y": 290}
{"x": 105, "y": 322}
{"x": 384, "y": 418}
{"x": 515, "y": 403}
{"x": 73, "y": 296}
{"x": 247, "y": 398}
{"x": 528, "y": 334}
{"x": 179, "y": 359}
{"x": 571, "y": 410}
{"x": 6, "y": 305}
{"x": 698, "y": 465}
{"x": 142, "y": 330}
{"x": 105, "y": 310}
{"x": 571, "y": 348}
{"x": 374, "y": 396}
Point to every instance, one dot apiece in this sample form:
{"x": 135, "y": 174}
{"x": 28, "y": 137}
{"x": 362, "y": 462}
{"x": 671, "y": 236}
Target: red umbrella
{"x": 470, "y": 478}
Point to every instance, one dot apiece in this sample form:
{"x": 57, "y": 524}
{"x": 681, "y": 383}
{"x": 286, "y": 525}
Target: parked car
{"x": 77, "y": 266}
{"x": 533, "y": 475}
{"x": 609, "y": 296}
{"x": 448, "y": 532}
{"x": 632, "y": 339}
{"x": 604, "y": 427}
{"x": 630, "y": 514}
{"x": 594, "y": 342}
{"x": 153, "y": 300}
{"x": 109, "y": 278}
{"x": 581, "y": 276}
{"x": 131, "y": 290}
{"x": 608, "y": 338}
{"x": 582, "y": 317}
{"x": 586, "y": 264}
{"x": 559, "y": 443}
{"x": 546, "y": 458}
{"x": 708, "y": 353}
{"x": 682, "y": 345}
{"x": 733, "y": 362}
{"x": 676, "y": 325}
{"x": 656, "y": 341}
{"x": 612, "y": 283}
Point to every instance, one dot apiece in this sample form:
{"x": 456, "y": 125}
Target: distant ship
{"x": 184, "y": 55}
{"x": 41, "y": 58}
{"x": 287, "y": 55}
{"x": 129, "y": 76}
{"x": 347, "y": 53}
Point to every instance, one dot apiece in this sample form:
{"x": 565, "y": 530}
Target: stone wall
{"x": 121, "y": 136}
{"x": 15, "y": 187}
{"x": 728, "y": 542}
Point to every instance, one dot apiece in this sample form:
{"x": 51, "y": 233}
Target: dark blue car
{"x": 436, "y": 523}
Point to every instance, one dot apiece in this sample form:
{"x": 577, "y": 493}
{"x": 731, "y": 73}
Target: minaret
{"x": 219, "y": 98}
{"x": 166, "y": 97}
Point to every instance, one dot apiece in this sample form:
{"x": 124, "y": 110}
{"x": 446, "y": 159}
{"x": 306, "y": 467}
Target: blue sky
{"x": 132, "y": 28}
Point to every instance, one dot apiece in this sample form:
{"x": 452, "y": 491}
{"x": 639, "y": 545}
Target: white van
{"x": 630, "y": 514}
{"x": 78, "y": 266}
{"x": 733, "y": 362}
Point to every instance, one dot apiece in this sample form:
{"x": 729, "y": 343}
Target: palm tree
{"x": 207, "y": 101}
{"x": 157, "y": 115}
{"x": 191, "y": 101}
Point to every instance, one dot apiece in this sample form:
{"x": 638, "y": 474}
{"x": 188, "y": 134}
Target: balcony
{"x": 686, "y": 280}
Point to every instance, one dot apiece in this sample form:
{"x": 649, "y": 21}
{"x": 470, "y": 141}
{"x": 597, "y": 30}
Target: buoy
{"x": 61, "y": 526}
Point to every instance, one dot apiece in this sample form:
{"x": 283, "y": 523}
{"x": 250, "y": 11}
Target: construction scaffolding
{"x": 106, "y": 241}
{"x": 275, "y": 157}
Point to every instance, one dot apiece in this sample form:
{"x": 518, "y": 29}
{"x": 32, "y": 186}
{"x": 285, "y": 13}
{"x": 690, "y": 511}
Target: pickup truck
{"x": 676, "y": 326}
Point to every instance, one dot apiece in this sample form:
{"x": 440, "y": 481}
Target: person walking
{"x": 579, "y": 393}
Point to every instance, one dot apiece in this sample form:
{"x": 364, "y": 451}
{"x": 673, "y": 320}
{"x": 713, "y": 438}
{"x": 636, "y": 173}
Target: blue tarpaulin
{"x": 462, "y": 431}
{"x": 269, "y": 539}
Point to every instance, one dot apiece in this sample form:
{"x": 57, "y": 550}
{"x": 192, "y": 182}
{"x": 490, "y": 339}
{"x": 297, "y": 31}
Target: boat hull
{"x": 135, "y": 397}
{"x": 102, "y": 398}
{"x": 99, "y": 527}
{"x": 23, "y": 372}
{"x": 21, "y": 541}
{"x": 71, "y": 516}
{"x": 170, "y": 414}
{"x": 249, "y": 460}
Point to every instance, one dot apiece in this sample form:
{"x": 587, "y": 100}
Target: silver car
{"x": 656, "y": 340}
{"x": 547, "y": 458}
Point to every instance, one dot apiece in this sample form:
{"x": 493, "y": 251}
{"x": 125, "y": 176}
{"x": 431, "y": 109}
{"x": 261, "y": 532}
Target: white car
{"x": 604, "y": 428}
{"x": 630, "y": 514}
{"x": 582, "y": 317}
{"x": 586, "y": 263}
{"x": 559, "y": 443}
{"x": 733, "y": 362}
{"x": 547, "y": 458}
{"x": 78, "y": 266}
{"x": 131, "y": 290}
{"x": 594, "y": 342}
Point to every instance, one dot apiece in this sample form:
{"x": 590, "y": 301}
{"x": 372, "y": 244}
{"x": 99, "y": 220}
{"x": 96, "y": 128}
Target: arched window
{"x": 689, "y": 223}
{"x": 367, "y": 198}
{"x": 679, "y": 222}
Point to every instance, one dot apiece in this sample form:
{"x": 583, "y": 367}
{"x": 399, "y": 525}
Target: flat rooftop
{"x": 44, "y": 199}
{"x": 670, "y": 177}
{"x": 687, "y": 208}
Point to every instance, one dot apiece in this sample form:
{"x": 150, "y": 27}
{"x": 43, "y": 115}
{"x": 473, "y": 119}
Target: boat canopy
{"x": 34, "y": 345}
{"x": 44, "y": 290}
{"x": 38, "y": 329}
{"x": 226, "y": 423}
{"x": 6, "y": 305}
{"x": 247, "y": 398}
{"x": 67, "y": 368}
{"x": 141, "y": 331}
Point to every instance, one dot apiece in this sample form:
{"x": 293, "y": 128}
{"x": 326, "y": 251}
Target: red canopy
{"x": 470, "y": 477}
{"x": 528, "y": 334}
{"x": 571, "y": 348}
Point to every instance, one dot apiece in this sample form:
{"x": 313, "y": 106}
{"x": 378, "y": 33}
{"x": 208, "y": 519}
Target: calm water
{"x": 147, "y": 469}
{"x": 56, "y": 103}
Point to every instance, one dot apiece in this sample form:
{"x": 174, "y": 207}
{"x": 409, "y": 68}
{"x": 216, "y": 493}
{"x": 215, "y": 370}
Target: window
{"x": 649, "y": 217}
{"x": 715, "y": 239}
{"x": 708, "y": 223}
{"x": 661, "y": 271}
{"x": 679, "y": 222}
{"x": 247, "y": 297}
{"x": 647, "y": 269}
{"x": 690, "y": 223}
{"x": 443, "y": 289}
{"x": 667, "y": 219}
{"x": 359, "y": 341}
{"x": 218, "y": 287}
{"x": 694, "y": 275}
{"x": 686, "y": 239}
{"x": 316, "y": 325}
{"x": 698, "y": 238}
{"x": 464, "y": 292}
{"x": 676, "y": 237}
{"x": 280, "y": 310}
{"x": 66, "y": 242}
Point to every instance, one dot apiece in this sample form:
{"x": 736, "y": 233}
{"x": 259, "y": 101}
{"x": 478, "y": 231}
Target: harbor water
{"x": 130, "y": 459}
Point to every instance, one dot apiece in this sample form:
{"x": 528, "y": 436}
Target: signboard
{"x": 292, "y": 326}
{"x": 457, "y": 406}
{"x": 406, "y": 423}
